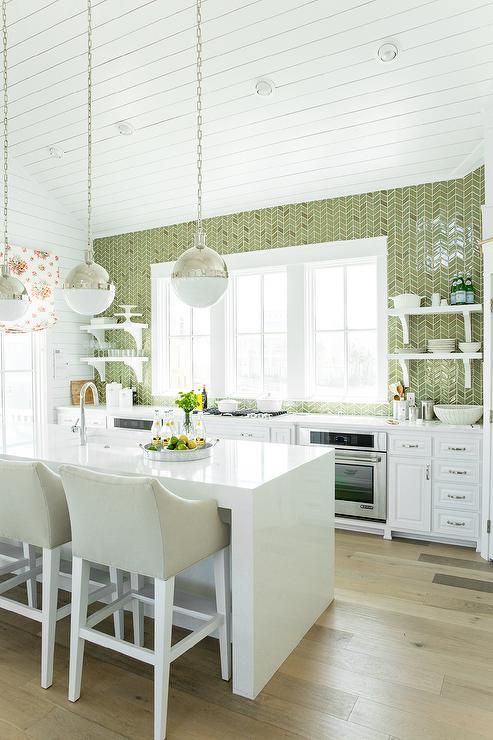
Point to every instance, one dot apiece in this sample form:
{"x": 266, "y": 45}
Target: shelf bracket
{"x": 467, "y": 328}
{"x": 99, "y": 366}
{"x": 404, "y": 319}
{"x": 135, "y": 332}
{"x": 136, "y": 365}
{"x": 467, "y": 372}
{"x": 405, "y": 372}
{"x": 98, "y": 333}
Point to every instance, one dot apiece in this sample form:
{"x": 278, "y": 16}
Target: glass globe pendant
{"x": 14, "y": 301}
{"x": 87, "y": 288}
{"x": 200, "y": 275}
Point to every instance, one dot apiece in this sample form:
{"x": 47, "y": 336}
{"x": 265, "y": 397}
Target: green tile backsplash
{"x": 433, "y": 231}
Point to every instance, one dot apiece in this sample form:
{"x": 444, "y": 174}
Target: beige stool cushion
{"x": 137, "y": 525}
{"x": 33, "y": 507}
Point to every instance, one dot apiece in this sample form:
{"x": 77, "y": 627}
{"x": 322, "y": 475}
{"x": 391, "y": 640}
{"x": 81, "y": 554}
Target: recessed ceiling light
{"x": 388, "y": 51}
{"x": 55, "y": 152}
{"x": 125, "y": 128}
{"x": 264, "y": 87}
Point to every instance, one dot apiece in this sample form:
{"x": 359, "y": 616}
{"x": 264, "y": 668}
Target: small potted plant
{"x": 188, "y": 403}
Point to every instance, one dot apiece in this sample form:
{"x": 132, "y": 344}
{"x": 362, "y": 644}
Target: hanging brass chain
{"x": 5, "y": 135}
{"x": 199, "y": 115}
{"x": 89, "y": 125}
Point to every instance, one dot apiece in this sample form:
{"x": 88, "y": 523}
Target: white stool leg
{"x": 116, "y": 578}
{"x": 51, "y": 569}
{"x": 32, "y": 593}
{"x": 80, "y": 593}
{"x": 136, "y": 583}
{"x": 163, "y": 622}
{"x": 223, "y": 606}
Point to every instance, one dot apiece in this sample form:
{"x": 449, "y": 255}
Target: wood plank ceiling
{"x": 340, "y": 121}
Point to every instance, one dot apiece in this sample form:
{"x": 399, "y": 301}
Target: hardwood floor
{"x": 404, "y": 653}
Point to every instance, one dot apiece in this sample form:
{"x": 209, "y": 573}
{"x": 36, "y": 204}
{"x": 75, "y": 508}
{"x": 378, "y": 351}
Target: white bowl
{"x": 407, "y": 300}
{"x": 267, "y": 404}
{"x": 470, "y": 346}
{"x": 228, "y": 405}
{"x": 457, "y": 414}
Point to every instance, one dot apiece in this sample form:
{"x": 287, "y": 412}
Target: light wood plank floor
{"x": 404, "y": 653}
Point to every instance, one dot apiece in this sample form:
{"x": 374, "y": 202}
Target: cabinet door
{"x": 409, "y": 493}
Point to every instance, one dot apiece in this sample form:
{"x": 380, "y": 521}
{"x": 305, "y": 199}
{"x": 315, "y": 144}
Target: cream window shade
{"x": 39, "y": 271}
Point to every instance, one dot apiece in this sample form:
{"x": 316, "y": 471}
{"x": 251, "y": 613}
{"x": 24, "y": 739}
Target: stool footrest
{"x": 113, "y": 643}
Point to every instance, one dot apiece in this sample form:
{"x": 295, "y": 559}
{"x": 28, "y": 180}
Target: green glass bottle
{"x": 453, "y": 290}
{"x": 470, "y": 292}
{"x": 460, "y": 295}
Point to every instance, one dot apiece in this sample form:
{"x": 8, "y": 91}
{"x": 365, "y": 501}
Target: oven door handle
{"x": 353, "y": 458}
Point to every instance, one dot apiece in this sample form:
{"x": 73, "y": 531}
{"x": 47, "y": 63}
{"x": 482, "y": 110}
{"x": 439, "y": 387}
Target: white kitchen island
{"x": 280, "y": 501}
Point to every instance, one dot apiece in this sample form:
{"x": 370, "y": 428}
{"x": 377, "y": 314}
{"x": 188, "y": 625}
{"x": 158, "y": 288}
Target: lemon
{"x": 191, "y": 444}
{"x": 183, "y": 438}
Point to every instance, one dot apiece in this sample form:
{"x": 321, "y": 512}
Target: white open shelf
{"x": 404, "y": 313}
{"x": 465, "y": 357}
{"x": 133, "y": 328}
{"x": 99, "y": 363}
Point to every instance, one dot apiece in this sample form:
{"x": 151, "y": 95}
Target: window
{"x": 307, "y": 322}
{"x": 344, "y": 329}
{"x": 183, "y": 346}
{"x": 16, "y": 386}
{"x": 260, "y": 333}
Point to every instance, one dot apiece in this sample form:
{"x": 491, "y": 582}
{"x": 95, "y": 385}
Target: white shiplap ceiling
{"x": 339, "y": 121}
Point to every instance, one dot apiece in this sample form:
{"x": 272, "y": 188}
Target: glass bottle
{"x": 460, "y": 295}
{"x": 200, "y": 436}
{"x": 156, "y": 425}
{"x": 453, "y": 290}
{"x": 204, "y": 398}
{"x": 168, "y": 426}
{"x": 470, "y": 292}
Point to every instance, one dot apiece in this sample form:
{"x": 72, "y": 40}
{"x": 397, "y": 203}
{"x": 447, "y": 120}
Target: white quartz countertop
{"x": 233, "y": 464}
{"x": 329, "y": 421}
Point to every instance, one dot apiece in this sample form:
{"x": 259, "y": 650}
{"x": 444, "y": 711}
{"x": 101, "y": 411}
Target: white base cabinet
{"x": 409, "y": 486}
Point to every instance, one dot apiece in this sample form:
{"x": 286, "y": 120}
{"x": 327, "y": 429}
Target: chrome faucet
{"x": 83, "y": 391}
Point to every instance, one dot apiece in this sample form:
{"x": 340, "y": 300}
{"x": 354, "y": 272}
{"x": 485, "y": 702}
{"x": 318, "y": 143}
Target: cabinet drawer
{"x": 459, "y": 524}
{"x": 463, "y": 447}
{"x": 258, "y": 433}
{"x": 456, "y": 497}
{"x": 413, "y": 444}
{"x": 461, "y": 471}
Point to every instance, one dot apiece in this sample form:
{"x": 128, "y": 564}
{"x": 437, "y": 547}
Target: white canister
{"x": 126, "y": 398}
{"x": 402, "y": 410}
{"x": 413, "y": 414}
{"x": 113, "y": 394}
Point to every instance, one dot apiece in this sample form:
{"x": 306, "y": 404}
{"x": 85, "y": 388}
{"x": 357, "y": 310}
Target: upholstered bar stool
{"x": 33, "y": 510}
{"x": 136, "y": 525}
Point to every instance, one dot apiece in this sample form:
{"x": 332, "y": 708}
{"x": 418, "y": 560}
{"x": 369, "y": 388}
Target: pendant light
{"x": 200, "y": 275}
{"x": 14, "y": 301}
{"x": 87, "y": 288}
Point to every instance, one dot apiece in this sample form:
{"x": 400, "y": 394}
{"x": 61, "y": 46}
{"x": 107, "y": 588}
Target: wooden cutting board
{"x": 75, "y": 386}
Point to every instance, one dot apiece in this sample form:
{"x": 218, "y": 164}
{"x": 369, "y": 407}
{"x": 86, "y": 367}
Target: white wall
{"x": 38, "y": 221}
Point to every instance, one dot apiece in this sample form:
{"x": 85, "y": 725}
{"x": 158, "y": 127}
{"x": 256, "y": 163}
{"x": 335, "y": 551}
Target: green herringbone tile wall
{"x": 433, "y": 231}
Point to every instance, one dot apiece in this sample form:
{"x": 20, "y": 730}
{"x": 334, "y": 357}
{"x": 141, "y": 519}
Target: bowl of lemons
{"x": 178, "y": 449}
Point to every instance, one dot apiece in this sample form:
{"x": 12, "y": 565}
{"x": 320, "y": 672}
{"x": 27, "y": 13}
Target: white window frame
{"x": 298, "y": 262}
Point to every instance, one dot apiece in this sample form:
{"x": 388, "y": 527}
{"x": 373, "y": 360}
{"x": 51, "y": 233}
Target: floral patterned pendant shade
{"x": 39, "y": 271}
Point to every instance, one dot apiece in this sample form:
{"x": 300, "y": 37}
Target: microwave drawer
{"x": 459, "y": 472}
{"x": 452, "y": 447}
{"x": 456, "y": 497}
{"x": 463, "y": 524}
{"x": 412, "y": 444}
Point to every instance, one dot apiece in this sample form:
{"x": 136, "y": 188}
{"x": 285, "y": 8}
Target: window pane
{"x": 18, "y": 406}
{"x": 180, "y": 363}
{"x": 275, "y": 363}
{"x": 17, "y": 351}
{"x": 362, "y": 361}
{"x": 248, "y": 363}
{"x": 361, "y": 296}
{"x": 329, "y": 361}
{"x": 275, "y": 301}
{"x": 201, "y": 348}
{"x": 248, "y": 303}
{"x": 179, "y": 316}
{"x": 329, "y": 298}
{"x": 201, "y": 321}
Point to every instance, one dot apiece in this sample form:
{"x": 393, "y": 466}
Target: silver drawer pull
{"x": 456, "y": 524}
{"x": 456, "y": 498}
{"x": 458, "y": 472}
{"x": 410, "y": 447}
{"x": 457, "y": 449}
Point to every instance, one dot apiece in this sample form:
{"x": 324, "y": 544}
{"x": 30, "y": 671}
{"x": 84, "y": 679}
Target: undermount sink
{"x": 458, "y": 414}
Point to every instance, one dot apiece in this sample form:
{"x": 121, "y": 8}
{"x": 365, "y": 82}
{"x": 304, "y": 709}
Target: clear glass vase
{"x": 188, "y": 425}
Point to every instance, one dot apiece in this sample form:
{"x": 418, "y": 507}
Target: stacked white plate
{"x": 442, "y": 345}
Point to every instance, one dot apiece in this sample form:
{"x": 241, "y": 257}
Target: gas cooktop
{"x": 249, "y": 413}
